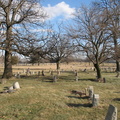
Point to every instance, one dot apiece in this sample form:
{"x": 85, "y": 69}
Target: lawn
{"x": 41, "y": 99}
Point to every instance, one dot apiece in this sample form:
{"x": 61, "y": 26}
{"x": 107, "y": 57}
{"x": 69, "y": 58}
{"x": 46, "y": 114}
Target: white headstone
{"x": 16, "y": 85}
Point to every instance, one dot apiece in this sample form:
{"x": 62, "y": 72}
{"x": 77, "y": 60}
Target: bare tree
{"x": 112, "y": 9}
{"x": 90, "y": 34}
{"x": 61, "y": 49}
{"x": 17, "y": 20}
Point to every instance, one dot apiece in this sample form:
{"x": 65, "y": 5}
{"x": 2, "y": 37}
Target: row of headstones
{"x": 108, "y": 69}
{"x": 42, "y": 73}
{"x": 102, "y": 69}
{"x": 28, "y": 71}
{"x": 112, "y": 110}
{"x": 18, "y": 74}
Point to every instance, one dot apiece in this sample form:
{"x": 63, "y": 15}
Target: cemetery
{"x": 40, "y": 95}
{"x": 59, "y": 60}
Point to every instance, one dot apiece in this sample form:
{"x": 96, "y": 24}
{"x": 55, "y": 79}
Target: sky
{"x": 59, "y": 10}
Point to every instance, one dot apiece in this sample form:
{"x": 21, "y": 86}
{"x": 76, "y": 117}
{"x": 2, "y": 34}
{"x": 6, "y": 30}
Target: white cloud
{"x": 61, "y": 9}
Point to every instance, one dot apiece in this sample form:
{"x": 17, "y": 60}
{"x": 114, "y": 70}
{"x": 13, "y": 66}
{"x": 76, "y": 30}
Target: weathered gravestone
{"x": 95, "y": 100}
{"x": 91, "y": 92}
{"x": 112, "y": 113}
{"x": 16, "y": 85}
{"x": 104, "y": 80}
{"x": 76, "y": 75}
{"x": 28, "y": 71}
{"x": 55, "y": 78}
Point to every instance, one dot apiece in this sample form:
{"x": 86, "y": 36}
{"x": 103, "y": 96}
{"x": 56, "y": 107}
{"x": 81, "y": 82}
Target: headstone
{"x": 91, "y": 92}
{"x": 95, "y": 100}
{"x": 16, "y": 85}
{"x": 112, "y": 113}
{"x": 18, "y": 76}
{"x": 76, "y": 78}
{"x": 28, "y": 71}
{"x": 104, "y": 80}
{"x": 10, "y": 88}
{"x": 55, "y": 78}
{"x": 76, "y": 75}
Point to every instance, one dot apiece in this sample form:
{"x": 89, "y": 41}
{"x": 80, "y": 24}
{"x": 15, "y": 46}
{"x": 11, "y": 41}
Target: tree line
{"x": 95, "y": 31}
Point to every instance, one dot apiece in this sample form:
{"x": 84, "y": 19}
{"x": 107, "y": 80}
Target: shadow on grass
{"x": 116, "y": 92}
{"x": 29, "y": 77}
{"x": 93, "y": 80}
{"x": 36, "y": 77}
{"x": 5, "y": 88}
{"x": 46, "y": 79}
{"x": 116, "y": 99}
{"x": 79, "y": 105}
{"x": 49, "y": 81}
{"x": 78, "y": 97}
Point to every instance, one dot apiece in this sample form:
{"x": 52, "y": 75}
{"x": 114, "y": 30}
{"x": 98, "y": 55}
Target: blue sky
{"x": 62, "y": 9}
{"x": 72, "y": 3}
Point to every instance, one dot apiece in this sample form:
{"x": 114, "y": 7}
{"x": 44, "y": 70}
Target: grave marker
{"x": 76, "y": 75}
{"x": 91, "y": 92}
{"x": 55, "y": 78}
{"x": 112, "y": 113}
{"x": 16, "y": 85}
{"x": 95, "y": 100}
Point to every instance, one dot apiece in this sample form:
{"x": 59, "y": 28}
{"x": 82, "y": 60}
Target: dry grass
{"x": 41, "y": 99}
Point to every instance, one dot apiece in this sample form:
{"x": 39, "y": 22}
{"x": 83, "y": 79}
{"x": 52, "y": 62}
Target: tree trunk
{"x": 116, "y": 52}
{"x": 7, "y": 65}
{"x": 117, "y": 66}
{"x": 58, "y": 65}
{"x": 8, "y": 54}
{"x": 97, "y": 67}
